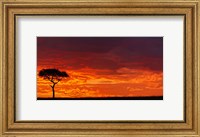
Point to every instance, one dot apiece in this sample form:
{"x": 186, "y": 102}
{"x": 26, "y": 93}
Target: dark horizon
{"x": 107, "y": 98}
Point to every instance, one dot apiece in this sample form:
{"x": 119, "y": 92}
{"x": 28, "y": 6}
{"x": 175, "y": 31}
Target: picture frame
{"x": 188, "y": 127}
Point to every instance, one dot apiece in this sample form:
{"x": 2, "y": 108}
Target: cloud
{"x": 101, "y": 53}
{"x": 125, "y": 70}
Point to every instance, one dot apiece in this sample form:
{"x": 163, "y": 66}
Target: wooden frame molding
{"x": 11, "y": 9}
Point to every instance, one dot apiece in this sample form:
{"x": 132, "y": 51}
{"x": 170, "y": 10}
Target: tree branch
{"x": 50, "y": 79}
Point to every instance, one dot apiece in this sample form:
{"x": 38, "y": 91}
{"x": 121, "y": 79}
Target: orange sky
{"x": 102, "y": 67}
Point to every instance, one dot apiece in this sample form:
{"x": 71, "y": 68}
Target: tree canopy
{"x": 51, "y": 73}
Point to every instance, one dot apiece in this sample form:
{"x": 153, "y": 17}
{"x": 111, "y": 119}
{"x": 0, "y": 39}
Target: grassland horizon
{"x": 107, "y": 98}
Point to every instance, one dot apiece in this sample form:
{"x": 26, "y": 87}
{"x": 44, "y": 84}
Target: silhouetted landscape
{"x": 99, "y": 68}
{"x": 107, "y": 98}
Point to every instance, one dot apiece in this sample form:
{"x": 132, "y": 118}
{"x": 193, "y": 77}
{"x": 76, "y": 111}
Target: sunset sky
{"x": 102, "y": 66}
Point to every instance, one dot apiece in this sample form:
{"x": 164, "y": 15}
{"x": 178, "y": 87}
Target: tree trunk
{"x": 53, "y": 91}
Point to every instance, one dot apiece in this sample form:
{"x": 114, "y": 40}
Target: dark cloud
{"x": 83, "y": 44}
{"x": 109, "y": 53}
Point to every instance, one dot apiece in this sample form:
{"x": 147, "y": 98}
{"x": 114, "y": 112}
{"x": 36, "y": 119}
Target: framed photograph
{"x": 99, "y": 68}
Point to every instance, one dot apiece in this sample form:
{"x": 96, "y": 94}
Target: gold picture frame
{"x": 10, "y": 9}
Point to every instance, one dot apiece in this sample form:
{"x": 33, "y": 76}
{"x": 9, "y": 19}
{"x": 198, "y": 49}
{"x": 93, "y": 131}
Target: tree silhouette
{"x": 54, "y": 76}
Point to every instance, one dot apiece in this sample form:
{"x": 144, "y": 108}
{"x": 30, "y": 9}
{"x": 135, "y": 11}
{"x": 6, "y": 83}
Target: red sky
{"x": 102, "y": 66}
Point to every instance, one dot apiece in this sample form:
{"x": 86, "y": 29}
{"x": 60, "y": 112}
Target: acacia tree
{"x": 54, "y": 76}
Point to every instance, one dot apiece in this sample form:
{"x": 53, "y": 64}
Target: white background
{"x": 168, "y": 27}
